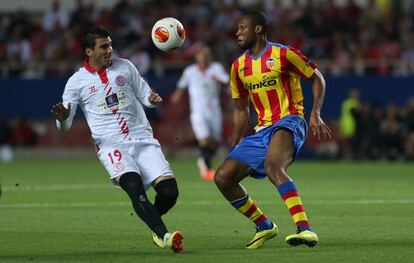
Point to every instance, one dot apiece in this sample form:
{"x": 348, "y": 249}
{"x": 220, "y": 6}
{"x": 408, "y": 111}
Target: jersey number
{"x": 117, "y": 154}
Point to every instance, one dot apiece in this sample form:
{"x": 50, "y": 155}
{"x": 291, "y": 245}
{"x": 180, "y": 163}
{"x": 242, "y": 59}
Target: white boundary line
{"x": 55, "y": 187}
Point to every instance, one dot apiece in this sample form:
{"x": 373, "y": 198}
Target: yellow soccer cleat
{"x": 158, "y": 241}
{"x": 175, "y": 241}
{"x": 306, "y": 237}
{"x": 262, "y": 236}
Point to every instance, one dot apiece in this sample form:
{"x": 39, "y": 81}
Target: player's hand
{"x": 60, "y": 112}
{"x": 154, "y": 98}
{"x": 318, "y": 126}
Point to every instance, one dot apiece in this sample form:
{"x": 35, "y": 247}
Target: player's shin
{"x": 133, "y": 186}
{"x": 167, "y": 194}
{"x": 290, "y": 196}
{"x": 248, "y": 208}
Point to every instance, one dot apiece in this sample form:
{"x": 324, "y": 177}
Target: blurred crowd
{"x": 372, "y": 132}
{"x": 376, "y": 37}
{"x": 372, "y": 38}
{"x": 16, "y": 132}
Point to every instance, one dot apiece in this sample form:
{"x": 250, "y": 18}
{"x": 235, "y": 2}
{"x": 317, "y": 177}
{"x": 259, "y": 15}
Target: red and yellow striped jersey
{"x": 272, "y": 82}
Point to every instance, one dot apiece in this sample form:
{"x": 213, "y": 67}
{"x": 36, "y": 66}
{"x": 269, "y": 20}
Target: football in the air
{"x": 168, "y": 33}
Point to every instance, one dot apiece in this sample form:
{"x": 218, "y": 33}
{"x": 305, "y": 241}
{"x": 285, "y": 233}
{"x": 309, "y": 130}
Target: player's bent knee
{"x": 167, "y": 189}
{"x": 274, "y": 170}
{"x": 131, "y": 182}
{"x": 221, "y": 179}
{"x": 167, "y": 195}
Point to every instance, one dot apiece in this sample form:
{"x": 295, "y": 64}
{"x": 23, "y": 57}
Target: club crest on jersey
{"x": 270, "y": 63}
{"x": 120, "y": 80}
{"x": 119, "y": 167}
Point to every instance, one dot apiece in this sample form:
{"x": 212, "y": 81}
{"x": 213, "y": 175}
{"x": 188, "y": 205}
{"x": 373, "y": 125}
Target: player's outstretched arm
{"x": 317, "y": 125}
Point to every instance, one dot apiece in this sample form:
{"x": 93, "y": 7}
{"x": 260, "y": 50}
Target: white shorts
{"x": 142, "y": 156}
{"x": 207, "y": 125}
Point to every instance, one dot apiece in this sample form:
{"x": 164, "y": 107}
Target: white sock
{"x": 166, "y": 237}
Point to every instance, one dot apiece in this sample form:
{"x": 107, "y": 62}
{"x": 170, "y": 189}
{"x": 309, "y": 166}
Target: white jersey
{"x": 111, "y": 100}
{"x": 203, "y": 86}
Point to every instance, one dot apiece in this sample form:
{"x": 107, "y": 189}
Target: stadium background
{"x": 57, "y": 205}
{"x": 364, "y": 45}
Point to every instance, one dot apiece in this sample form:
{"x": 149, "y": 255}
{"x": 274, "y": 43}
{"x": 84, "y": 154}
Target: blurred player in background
{"x": 111, "y": 93}
{"x": 203, "y": 80}
{"x": 269, "y": 75}
{"x": 348, "y": 124}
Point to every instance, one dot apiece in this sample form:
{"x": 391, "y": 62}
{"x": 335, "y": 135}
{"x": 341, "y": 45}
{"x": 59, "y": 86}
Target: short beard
{"x": 247, "y": 45}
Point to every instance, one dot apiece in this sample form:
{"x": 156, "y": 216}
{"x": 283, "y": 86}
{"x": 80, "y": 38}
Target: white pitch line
{"x": 60, "y": 205}
{"x": 55, "y": 187}
{"x": 201, "y": 203}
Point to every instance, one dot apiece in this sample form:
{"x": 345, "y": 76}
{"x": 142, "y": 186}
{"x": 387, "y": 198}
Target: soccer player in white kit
{"x": 111, "y": 93}
{"x": 203, "y": 80}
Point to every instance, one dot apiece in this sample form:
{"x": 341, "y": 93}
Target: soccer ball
{"x": 168, "y": 33}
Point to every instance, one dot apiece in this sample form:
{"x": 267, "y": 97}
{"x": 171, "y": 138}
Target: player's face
{"x": 246, "y": 37}
{"x": 203, "y": 56}
{"x": 102, "y": 52}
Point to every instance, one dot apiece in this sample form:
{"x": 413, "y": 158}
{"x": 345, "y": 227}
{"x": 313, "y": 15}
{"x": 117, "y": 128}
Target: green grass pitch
{"x": 68, "y": 211}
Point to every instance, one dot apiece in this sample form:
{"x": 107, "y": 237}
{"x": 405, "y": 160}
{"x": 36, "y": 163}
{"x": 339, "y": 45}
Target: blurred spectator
{"x": 366, "y": 134}
{"x": 389, "y": 143}
{"x": 18, "y": 52}
{"x": 55, "y": 18}
{"x": 84, "y": 16}
{"x": 22, "y": 133}
{"x": 408, "y": 124}
{"x": 348, "y": 123}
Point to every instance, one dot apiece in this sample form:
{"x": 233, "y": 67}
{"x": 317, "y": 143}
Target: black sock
{"x": 167, "y": 194}
{"x": 133, "y": 186}
{"x": 206, "y": 155}
{"x": 212, "y": 151}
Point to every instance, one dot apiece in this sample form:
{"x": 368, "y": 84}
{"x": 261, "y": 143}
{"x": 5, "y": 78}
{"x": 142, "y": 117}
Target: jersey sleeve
{"x": 140, "y": 87}
{"x": 299, "y": 63}
{"x": 70, "y": 95}
{"x": 184, "y": 80}
{"x": 236, "y": 85}
{"x": 220, "y": 74}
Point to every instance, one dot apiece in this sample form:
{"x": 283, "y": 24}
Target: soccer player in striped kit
{"x": 268, "y": 74}
{"x": 111, "y": 94}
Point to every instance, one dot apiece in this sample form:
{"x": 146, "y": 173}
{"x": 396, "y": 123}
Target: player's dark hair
{"x": 258, "y": 18}
{"x": 89, "y": 37}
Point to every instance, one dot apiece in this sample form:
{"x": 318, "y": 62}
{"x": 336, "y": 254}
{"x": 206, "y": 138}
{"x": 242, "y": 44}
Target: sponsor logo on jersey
{"x": 112, "y": 100}
{"x": 266, "y": 82}
{"x": 120, "y": 80}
